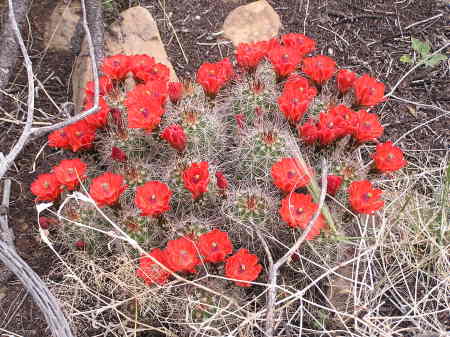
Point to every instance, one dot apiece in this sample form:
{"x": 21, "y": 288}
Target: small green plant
{"x": 423, "y": 54}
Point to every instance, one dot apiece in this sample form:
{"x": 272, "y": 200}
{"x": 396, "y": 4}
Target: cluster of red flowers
{"x": 183, "y": 255}
{"x": 196, "y": 179}
{"x": 67, "y": 174}
{"x": 213, "y": 76}
{"x": 145, "y": 103}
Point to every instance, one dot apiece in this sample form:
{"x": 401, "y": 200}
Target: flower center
{"x": 105, "y": 186}
{"x": 291, "y": 174}
{"x": 46, "y": 184}
{"x": 214, "y": 246}
{"x": 196, "y": 178}
{"x": 116, "y": 64}
{"x": 145, "y": 112}
{"x": 183, "y": 252}
{"x": 285, "y": 58}
{"x": 71, "y": 170}
{"x": 153, "y": 199}
{"x": 390, "y": 156}
{"x": 299, "y": 211}
{"x": 242, "y": 268}
{"x": 367, "y": 196}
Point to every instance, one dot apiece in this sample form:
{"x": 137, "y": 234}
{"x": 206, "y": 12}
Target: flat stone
{"x": 254, "y": 22}
{"x": 63, "y": 25}
{"x": 134, "y": 33}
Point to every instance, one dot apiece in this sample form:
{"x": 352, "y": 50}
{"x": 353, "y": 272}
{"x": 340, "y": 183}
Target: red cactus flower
{"x": 98, "y": 119}
{"x": 309, "y": 132}
{"x": 175, "y": 91}
{"x": 368, "y": 127}
{"x": 153, "y": 198}
{"x": 181, "y": 255}
{"x": 140, "y": 64}
{"x": 150, "y": 271}
{"x": 319, "y": 68}
{"x": 157, "y": 72}
{"x": 196, "y": 178}
{"x": 284, "y": 60}
{"x": 298, "y": 209}
{"x": 345, "y": 79}
{"x": 303, "y": 44}
{"x": 334, "y": 184}
{"x": 221, "y": 181}
{"x": 154, "y": 92}
{"x": 145, "y": 116}
{"x": 388, "y": 157}
{"x": 368, "y": 91}
{"x": 46, "y": 187}
{"x": 107, "y": 188}
{"x": 329, "y": 127}
{"x": 213, "y": 76}
{"x": 80, "y": 245}
{"x": 215, "y": 245}
{"x": 288, "y": 175}
{"x": 105, "y": 86}
{"x": 59, "y": 139}
{"x": 81, "y": 135}
{"x": 118, "y": 155}
{"x": 70, "y": 172}
{"x": 116, "y": 67}
{"x": 293, "y": 105}
{"x": 243, "y": 266}
{"x": 346, "y": 118}
{"x": 301, "y": 86}
{"x": 175, "y": 136}
{"x": 364, "y": 198}
{"x": 249, "y": 55}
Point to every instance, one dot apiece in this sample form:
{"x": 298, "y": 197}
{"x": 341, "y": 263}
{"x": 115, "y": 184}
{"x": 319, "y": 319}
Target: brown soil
{"x": 368, "y": 36}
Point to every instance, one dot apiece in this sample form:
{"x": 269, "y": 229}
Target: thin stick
{"x": 7, "y": 234}
{"x": 273, "y": 272}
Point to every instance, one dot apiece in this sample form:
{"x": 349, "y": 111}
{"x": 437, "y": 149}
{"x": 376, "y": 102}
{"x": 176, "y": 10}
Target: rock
{"x": 63, "y": 25}
{"x": 134, "y": 33}
{"x": 256, "y": 21}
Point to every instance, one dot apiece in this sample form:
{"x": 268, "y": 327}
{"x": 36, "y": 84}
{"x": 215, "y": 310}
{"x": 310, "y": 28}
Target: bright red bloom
{"x": 157, "y": 72}
{"x": 319, "y": 68}
{"x": 46, "y": 187}
{"x": 301, "y": 86}
{"x": 284, "y": 60}
{"x": 118, "y": 155}
{"x": 368, "y": 91}
{"x": 150, "y": 271}
{"x": 213, "y": 76}
{"x": 303, "y": 44}
{"x": 175, "y": 91}
{"x": 388, "y": 157}
{"x": 98, "y": 119}
{"x": 243, "y": 266}
{"x": 145, "y": 116}
{"x": 153, "y": 198}
{"x": 329, "y": 127}
{"x": 196, "y": 178}
{"x": 368, "y": 127}
{"x": 221, "y": 181}
{"x": 59, "y": 139}
{"x": 116, "y": 67}
{"x": 293, "y": 105}
{"x": 298, "y": 209}
{"x": 333, "y": 184}
{"x": 140, "y": 64}
{"x": 288, "y": 175}
{"x": 345, "y": 79}
{"x": 107, "y": 188}
{"x": 364, "y": 198}
{"x": 69, "y": 172}
{"x": 105, "y": 86}
{"x": 154, "y": 92}
{"x": 346, "y": 119}
{"x": 175, "y": 136}
{"x": 309, "y": 132}
{"x": 249, "y": 55}
{"x": 215, "y": 245}
{"x": 181, "y": 255}
{"x": 81, "y": 135}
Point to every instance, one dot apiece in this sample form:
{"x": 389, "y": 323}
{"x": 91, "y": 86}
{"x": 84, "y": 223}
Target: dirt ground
{"x": 367, "y": 36}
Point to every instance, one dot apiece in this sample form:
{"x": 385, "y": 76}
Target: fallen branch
{"x": 273, "y": 272}
{"x": 94, "y": 17}
{"x": 9, "y": 50}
